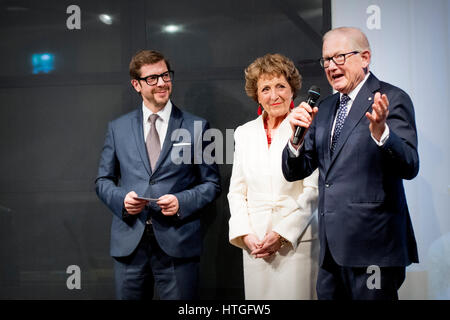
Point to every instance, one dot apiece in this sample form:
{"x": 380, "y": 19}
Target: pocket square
{"x": 182, "y": 144}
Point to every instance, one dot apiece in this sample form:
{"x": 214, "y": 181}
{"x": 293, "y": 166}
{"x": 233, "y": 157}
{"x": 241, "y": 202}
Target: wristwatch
{"x": 283, "y": 241}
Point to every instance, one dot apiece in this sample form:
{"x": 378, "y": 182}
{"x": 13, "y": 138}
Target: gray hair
{"x": 357, "y": 38}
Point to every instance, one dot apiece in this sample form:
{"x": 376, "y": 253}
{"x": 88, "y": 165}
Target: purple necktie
{"x": 340, "y": 119}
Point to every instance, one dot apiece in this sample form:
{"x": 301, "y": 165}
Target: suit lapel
{"x": 175, "y": 121}
{"x": 357, "y": 112}
{"x": 138, "y": 132}
{"x": 328, "y": 123}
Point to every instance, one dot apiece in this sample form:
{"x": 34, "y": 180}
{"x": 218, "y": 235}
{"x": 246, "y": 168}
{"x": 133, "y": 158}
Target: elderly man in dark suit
{"x": 156, "y": 199}
{"x": 363, "y": 139}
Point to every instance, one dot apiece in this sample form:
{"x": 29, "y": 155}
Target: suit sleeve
{"x": 208, "y": 187}
{"x": 400, "y": 149}
{"x": 297, "y": 168}
{"x": 239, "y": 223}
{"x": 293, "y": 225}
{"x": 108, "y": 176}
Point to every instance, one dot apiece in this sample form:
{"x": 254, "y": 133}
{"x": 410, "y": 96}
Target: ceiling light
{"x": 171, "y": 28}
{"x": 106, "y": 19}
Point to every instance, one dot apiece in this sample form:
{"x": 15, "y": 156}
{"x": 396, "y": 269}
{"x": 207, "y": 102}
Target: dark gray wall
{"x": 52, "y": 126}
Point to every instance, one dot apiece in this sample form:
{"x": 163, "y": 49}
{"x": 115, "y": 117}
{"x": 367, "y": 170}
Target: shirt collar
{"x": 355, "y": 91}
{"x": 164, "y": 113}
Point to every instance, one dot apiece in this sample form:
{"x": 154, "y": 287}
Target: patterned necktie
{"x": 340, "y": 119}
{"x": 152, "y": 142}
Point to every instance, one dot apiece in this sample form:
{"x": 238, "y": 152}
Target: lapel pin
{"x": 370, "y": 98}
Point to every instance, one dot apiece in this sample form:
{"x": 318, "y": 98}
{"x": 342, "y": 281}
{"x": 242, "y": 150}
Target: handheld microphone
{"x": 313, "y": 96}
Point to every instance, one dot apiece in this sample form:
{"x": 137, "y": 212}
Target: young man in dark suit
{"x": 363, "y": 139}
{"x": 156, "y": 242}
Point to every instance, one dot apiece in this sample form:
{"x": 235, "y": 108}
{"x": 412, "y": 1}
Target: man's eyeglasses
{"x": 338, "y": 59}
{"x": 153, "y": 79}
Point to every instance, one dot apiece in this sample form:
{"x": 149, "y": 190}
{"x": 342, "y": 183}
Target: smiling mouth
{"x": 276, "y": 104}
{"x": 337, "y": 76}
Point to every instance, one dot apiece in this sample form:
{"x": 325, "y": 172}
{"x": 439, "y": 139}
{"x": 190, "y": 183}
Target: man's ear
{"x": 136, "y": 85}
{"x": 366, "y": 56}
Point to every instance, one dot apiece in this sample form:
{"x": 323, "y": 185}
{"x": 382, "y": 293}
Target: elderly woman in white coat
{"x": 272, "y": 220}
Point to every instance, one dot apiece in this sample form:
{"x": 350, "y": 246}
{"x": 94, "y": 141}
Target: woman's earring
{"x": 292, "y": 106}
{"x": 259, "y": 109}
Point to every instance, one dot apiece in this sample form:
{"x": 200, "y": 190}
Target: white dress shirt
{"x": 352, "y": 96}
{"x": 161, "y": 123}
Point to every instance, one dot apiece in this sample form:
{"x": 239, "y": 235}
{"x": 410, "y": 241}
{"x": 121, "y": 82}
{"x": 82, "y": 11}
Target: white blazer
{"x": 259, "y": 197}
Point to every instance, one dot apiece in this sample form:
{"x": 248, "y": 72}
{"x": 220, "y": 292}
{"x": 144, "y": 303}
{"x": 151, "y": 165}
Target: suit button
{"x": 322, "y": 214}
{"x": 327, "y": 185}
{"x": 152, "y": 182}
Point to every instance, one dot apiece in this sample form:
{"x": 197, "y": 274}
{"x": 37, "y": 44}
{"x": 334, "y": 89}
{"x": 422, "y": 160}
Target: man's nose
{"x": 160, "y": 82}
{"x": 332, "y": 65}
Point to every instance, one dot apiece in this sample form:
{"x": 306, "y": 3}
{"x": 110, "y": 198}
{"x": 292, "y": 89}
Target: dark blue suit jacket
{"x": 363, "y": 214}
{"x": 124, "y": 166}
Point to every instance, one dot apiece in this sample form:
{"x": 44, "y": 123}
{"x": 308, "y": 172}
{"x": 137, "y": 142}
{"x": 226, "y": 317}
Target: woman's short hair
{"x": 271, "y": 64}
{"x": 145, "y": 57}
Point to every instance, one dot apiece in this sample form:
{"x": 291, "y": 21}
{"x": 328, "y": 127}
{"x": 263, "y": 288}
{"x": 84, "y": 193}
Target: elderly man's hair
{"x": 355, "y": 35}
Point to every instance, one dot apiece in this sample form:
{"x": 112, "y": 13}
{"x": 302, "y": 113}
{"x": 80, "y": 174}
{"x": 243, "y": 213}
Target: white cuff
{"x": 295, "y": 152}
{"x": 383, "y": 138}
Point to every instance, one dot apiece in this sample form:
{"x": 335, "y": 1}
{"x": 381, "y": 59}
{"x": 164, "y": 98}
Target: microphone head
{"x": 313, "y": 95}
{"x": 314, "y": 91}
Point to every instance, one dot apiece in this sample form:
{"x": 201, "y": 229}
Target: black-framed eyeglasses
{"x": 153, "y": 78}
{"x": 338, "y": 59}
